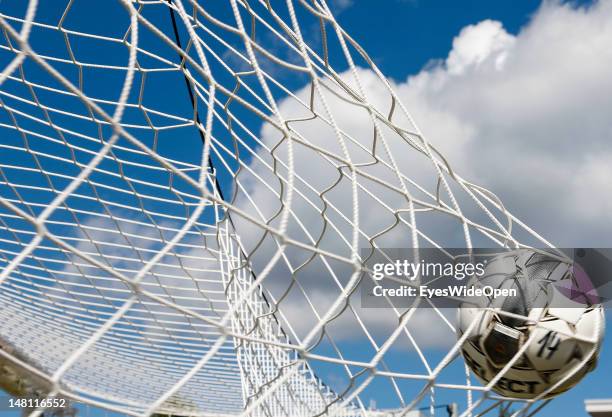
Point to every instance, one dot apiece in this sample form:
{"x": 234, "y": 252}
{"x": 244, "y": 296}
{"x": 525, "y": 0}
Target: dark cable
{"x": 177, "y": 39}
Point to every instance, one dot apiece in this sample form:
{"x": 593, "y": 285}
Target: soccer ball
{"x": 553, "y": 356}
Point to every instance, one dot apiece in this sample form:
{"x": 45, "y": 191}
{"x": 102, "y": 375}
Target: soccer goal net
{"x": 189, "y": 191}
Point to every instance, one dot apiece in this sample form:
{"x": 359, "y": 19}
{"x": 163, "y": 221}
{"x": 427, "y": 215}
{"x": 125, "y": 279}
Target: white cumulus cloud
{"x": 525, "y": 115}
{"x": 532, "y": 115}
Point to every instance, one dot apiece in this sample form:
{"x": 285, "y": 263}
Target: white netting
{"x": 188, "y": 191}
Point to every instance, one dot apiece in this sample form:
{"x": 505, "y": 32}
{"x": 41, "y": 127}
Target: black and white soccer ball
{"x": 563, "y": 337}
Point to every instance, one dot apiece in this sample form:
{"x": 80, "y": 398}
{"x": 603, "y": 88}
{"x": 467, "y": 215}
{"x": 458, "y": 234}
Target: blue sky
{"x": 405, "y": 35}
